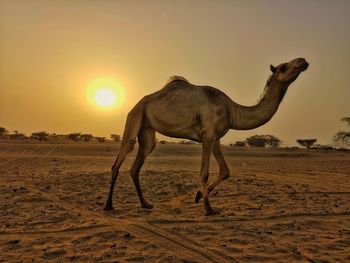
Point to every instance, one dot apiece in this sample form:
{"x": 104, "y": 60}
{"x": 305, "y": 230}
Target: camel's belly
{"x": 178, "y": 124}
{"x": 185, "y": 134}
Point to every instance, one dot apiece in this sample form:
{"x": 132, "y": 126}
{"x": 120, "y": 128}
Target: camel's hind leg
{"x": 224, "y": 172}
{"x": 147, "y": 143}
{"x": 208, "y": 142}
{"x": 132, "y": 128}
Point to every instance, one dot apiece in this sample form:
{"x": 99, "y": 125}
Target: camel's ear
{"x": 273, "y": 69}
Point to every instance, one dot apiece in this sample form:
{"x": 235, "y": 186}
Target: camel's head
{"x": 287, "y": 72}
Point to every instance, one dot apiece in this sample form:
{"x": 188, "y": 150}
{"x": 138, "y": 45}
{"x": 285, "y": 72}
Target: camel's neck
{"x": 246, "y": 118}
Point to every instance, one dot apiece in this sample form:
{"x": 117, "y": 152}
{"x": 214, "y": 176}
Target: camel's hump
{"x": 174, "y": 78}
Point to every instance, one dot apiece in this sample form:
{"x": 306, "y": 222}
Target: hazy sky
{"x": 51, "y": 50}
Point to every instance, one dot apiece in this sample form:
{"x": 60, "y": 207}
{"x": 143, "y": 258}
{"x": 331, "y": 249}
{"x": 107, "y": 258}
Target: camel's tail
{"x": 132, "y": 128}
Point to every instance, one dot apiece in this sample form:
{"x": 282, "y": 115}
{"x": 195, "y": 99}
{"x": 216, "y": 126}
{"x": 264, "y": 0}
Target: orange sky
{"x": 51, "y": 50}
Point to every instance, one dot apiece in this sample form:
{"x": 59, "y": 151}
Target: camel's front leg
{"x": 224, "y": 172}
{"x": 207, "y": 147}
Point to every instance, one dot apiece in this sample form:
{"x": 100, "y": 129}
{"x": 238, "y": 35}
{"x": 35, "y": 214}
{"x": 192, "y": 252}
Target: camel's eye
{"x": 283, "y": 68}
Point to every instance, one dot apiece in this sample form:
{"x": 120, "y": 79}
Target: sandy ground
{"x": 278, "y": 206}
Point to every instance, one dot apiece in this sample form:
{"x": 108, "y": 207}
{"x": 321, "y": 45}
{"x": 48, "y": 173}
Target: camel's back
{"x": 178, "y": 107}
{"x": 179, "y": 89}
{"x": 176, "y": 89}
{"x": 178, "y": 95}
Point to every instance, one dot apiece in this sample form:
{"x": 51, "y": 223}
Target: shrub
{"x": 3, "y": 132}
{"x": 75, "y": 136}
{"x": 263, "y": 141}
{"x": 116, "y": 137}
{"x": 86, "y": 137}
{"x": 343, "y": 137}
{"x": 41, "y": 136}
{"x": 239, "y": 144}
{"x": 100, "y": 139}
{"x": 306, "y": 142}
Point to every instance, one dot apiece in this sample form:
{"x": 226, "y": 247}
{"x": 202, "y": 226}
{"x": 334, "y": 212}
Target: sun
{"x": 105, "y": 94}
{"x": 105, "y": 97}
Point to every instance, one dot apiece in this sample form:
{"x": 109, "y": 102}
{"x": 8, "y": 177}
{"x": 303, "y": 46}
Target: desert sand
{"x": 279, "y": 205}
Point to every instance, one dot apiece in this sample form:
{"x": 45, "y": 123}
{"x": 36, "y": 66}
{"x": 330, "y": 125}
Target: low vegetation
{"x": 263, "y": 141}
{"x": 41, "y": 135}
{"x": 343, "y": 137}
{"x": 238, "y": 144}
{"x": 3, "y": 132}
{"x": 44, "y": 136}
{"x": 116, "y": 137}
{"x": 307, "y": 143}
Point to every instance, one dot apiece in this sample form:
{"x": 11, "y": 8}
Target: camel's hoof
{"x": 211, "y": 213}
{"x": 146, "y": 206}
{"x": 108, "y": 208}
{"x": 199, "y": 195}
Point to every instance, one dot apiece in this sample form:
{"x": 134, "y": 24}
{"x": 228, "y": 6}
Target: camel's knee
{"x": 151, "y": 148}
{"x": 115, "y": 162}
{"x": 147, "y": 149}
{"x": 134, "y": 171}
{"x": 114, "y": 177}
{"x": 204, "y": 178}
{"x": 135, "y": 176}
{"x": 130, "y": 145}
{"x": 225, "y": 174}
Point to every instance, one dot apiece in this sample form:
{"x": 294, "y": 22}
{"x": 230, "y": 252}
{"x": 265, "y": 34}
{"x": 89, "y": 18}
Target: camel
{"x": 198, "y": 113}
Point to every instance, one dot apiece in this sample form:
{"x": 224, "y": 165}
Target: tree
{"x": 100, "y": 139}
{"x": 3, "y": 132}
{"x": 306, "y": 142}
{"x": 18, "y": 136}
{"x": 41, "y": 135}
{"x": 75, "y": 136}
{"x": 86, "y": 137}
{"x": 53, "y": 135}
{"x": 58, "y": 136}
{"x": 116, "y": 137}
{"x": 239, "y": 144}
{"x": 346, "y": 119}
{"x": 343, "y": 137}
{"x": 263, "y": 141}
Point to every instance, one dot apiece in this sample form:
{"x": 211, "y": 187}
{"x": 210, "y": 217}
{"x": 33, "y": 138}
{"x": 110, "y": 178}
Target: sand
{"x": 279, "y": 205}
